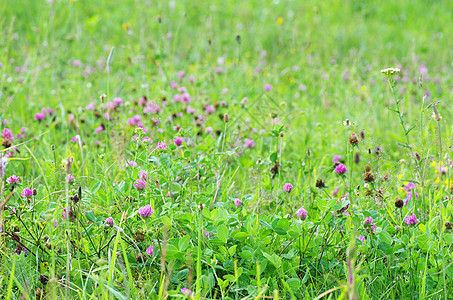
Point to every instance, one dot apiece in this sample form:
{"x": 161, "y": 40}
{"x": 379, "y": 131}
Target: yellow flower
{"x": 126, "y": 26}
{"x": 280, "y": 21}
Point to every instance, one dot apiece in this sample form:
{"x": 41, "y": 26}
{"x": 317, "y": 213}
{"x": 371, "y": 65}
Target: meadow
{"x": 226, "y": 149}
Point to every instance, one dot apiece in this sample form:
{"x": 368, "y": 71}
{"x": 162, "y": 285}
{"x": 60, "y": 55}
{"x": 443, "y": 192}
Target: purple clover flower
{"x": 140, "y": 184}
{"x": 150, "y": 250}
{"x": 26, "y": 192}
{"x": 249, "y": 143}
{"x": 288, "y": 187}
{"x": 302, "y": 213}
{"x": 109, "y": 221}
{"x": 341, "y": 169}
{"x": 178, "y": 140}
{"x": 411, "y": 220}
{"x": 13, "y": 179}
{"x": 145, "y": 211}
{"x": 238, "y": 203}
{"x": 361, "y": 238}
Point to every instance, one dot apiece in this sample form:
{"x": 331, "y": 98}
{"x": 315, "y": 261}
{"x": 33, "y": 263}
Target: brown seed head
{"x": 369, "y": 177}
{"x": 399, "y": 203}
{"x": 320, "y": 184}
{"x": 353, "y": 140}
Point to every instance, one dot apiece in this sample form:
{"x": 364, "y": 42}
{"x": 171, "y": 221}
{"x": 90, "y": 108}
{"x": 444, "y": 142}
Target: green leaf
{"x": 222, "y": 233}
{"x": 246, "y": 254}
{"x": 294, "y": 283}
{"x": 90, "y": 216}
{"x": 172, "y": 251}
{"x": 384, "y": 236}
{"x": 232, "y": 250}
{"x": 184, "y": 243}
{"x": 266, "y": 225}
{"x": 273, "y": 157}
{"x": 283, "y": 223}
{"x": 274, "y": 259}
{"x": 240, "y": 235}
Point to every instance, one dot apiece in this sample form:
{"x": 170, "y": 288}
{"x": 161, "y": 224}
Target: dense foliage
{"x": 213, "y": 149}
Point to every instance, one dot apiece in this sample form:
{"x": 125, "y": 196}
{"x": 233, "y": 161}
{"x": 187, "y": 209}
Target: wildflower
{"x": 335, "y": 191}
{"x": 369, "y": 177}
{"x": 320, "y": 183}
{"x": 55, "y": 223}
{"x": 218, "y": 70}
{"x": 288, "y": 187}
{"x": 302, "y": 213}
{"x": 39, "y": 116}
{"x": 117, "y": 101}
{"x": 3, "y": 164}
{"x": 341, "y": 169}
{"x": 409, "y": 196}
{"x": 132, "y": 164}
{"x": 249, "y": 143}
{"x": 390, "y": 71}
{"x": 178, "y": 141}
{"x": 209, "y": 109}
{"x": 368, "y": 221}
{"x": 357, "y": 158}
{"x": 267, "y": 87}
{"x": 99, "y": 129}
{"x": 361, "y": 238}
{"x": 143, "y": 175}
{"x": 399, "y": 203}
{"x": 109, "y": 221}
{"x": 140, "y": 184}
{"x": 70, "y": 178}
{"x": 27, "y": 193}
{"x": 145, "y": 211}
{"x": 66, "y": 213}
{"x": 150, "y": 250}
{"x": 336, "y": 158}
{"x": 161, "y": 145}
{"x": 436, "y": 115}
{"x": 353, "y": 140}
{"x": 409, "y": 186}
{"x": 302, "y": 87}
{"x": 7, "y": 135}
{"x": 208, "y": 234}
{"x": 90, "y": 107}
{"x": 397, "y": 227}
{"x": 13, "y": 179}
{"x": 411, "y": 220}
{"x": 238, "y": 203}
{"x": 448, "y": 225}
{"x": 186, "y": 291}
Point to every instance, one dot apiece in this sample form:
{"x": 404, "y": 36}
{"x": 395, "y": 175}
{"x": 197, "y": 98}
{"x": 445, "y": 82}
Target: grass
{"x": 222, "y": 104}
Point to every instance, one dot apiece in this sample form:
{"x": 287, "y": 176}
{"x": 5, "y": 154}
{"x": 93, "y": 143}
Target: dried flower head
{"x": 320, "y": 183}
{"x": 353, "y": 140}
{"x": 399, "y": 203}
{"x": 369, "y": 177}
